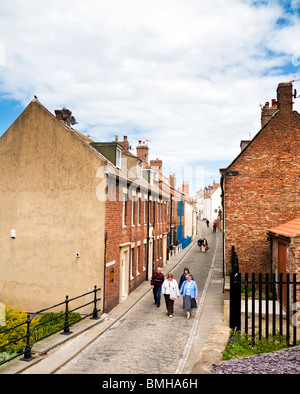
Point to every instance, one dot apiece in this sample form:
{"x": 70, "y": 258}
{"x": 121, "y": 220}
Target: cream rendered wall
{"x": 48, "y": 196}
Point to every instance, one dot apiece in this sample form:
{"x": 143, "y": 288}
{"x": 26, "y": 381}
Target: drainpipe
{"x": 223, "y": 219}
{"x": 148, "y": 238}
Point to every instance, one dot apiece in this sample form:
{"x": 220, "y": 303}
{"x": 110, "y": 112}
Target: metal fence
{"x": 31, "y": 329}
{"x": 269, "y": 305}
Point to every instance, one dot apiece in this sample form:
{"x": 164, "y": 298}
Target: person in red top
{"x": 156, "y": 283}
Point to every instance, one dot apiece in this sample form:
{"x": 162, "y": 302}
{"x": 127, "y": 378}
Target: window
{"x": 124, "y": 209}
{"x": 137, "y": 260}
{"x": 144, "y": 256}
{"x": 118, "y": 158}
{"x": 138, "y": 170}
{"x": 138, "y": 211}
{"x": 132, "y": 211}
{"x": 131, "y": 262}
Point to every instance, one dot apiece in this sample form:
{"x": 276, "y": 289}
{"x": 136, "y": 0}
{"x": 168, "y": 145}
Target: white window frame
{"x": 118, "y": 158}
{"x": 137, "y": 260}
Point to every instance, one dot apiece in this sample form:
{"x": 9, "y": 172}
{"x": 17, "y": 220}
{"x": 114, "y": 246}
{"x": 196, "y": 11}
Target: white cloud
{"x": 187, "y": 75}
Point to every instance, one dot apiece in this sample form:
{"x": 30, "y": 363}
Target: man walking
{"x": 156, "y": 283}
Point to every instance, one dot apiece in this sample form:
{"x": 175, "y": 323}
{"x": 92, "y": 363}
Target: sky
{"x": 188, "y": 76}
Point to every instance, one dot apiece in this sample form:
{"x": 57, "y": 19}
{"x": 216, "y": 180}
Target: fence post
{"x": 95, "y": 311}
{"x": 235, "y": 301}
{"x": 27, "y": 351}
{"x": 67, "y": 326}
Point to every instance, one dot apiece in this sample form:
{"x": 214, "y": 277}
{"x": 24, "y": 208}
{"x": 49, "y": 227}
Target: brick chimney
{"x": 142, "y": 151}
{"x": 267, "y": 112}
{"x": 285, "y": 96}
{"x": 64, "y": 115}
{"x": 186, "y": 187}
{"x": 156, "y": 165}
{"x": 173, "y": 181}
{"x": 125, "y": 143}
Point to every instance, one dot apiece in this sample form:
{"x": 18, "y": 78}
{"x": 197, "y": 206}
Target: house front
{"x": 261, "y": 187}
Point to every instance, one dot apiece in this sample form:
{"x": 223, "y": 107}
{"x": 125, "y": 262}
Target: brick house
{"x": 261, "y": 187}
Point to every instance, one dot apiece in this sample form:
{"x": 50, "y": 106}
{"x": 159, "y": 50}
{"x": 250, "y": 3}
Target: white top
{"x": 169, "y": 287}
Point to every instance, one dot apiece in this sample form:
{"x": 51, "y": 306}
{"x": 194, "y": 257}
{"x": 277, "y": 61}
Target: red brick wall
{"x": 265, "y": 193}
{"x": 137, "y": 233}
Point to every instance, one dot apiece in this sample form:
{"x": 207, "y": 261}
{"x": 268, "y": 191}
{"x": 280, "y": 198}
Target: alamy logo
{"x": 2, "y": 315}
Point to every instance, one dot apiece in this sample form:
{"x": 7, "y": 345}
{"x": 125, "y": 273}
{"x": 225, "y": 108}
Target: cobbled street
{"x": 146, "y": 340}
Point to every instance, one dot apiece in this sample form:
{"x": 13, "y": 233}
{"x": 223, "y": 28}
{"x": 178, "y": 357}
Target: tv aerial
{"x": 295, "y": 94}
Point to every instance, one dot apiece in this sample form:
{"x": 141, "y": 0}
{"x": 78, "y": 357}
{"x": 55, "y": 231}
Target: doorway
{"x": 124, "y": 275}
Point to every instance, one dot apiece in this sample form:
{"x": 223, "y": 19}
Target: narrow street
{"x": 146, "y": 340}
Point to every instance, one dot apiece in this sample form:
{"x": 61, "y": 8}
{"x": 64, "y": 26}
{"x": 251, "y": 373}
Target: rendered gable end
{"x": 48, "y": 196}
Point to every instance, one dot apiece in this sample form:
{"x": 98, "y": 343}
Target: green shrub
{"x": 15, "y": 317}
{"x": 242, "y": 345}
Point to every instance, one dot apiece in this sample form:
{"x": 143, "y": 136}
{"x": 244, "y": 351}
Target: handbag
{"x": 193, "y": 303}
{"x": 173, "y": 296}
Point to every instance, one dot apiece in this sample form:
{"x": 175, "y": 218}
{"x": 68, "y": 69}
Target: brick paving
{"x": 145, "y": 340}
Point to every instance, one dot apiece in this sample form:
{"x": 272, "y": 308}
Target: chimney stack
{"x": 173, "y": 181}
{"x": 124, "y": 143}
{"x": 267, "y": 112}
{"x": 285, "y": 96}
{"x": 142, "y": 151}
{"x": 156, "y": 165}
{"x": 64, "y": 115}
{"x": 186, "y": 187}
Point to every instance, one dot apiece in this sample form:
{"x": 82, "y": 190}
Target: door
{"x": 123, "y": 276}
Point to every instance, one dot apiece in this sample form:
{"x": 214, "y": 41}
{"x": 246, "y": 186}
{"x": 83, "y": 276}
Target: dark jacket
{"x": 182, "y": 279}
{"x": 157, "y": 279}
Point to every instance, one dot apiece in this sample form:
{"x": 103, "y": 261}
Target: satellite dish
{"x": 73, "y": 120}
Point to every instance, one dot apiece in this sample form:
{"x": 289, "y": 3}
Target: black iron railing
{"x": 271, "y": 303}
{"x": 30, "y": 329}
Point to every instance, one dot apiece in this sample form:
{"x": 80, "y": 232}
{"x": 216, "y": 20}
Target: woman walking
{"x": 189, "y": 291}
{"x": 171, "y": 292}
{"x": 183, "y": 277}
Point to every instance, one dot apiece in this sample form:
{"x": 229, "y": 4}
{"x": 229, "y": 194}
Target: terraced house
{"x": 77, "y": 213}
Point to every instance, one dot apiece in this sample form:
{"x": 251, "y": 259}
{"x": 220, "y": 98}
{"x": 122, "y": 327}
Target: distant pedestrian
{"x": 189, "y": 291}
{"x": 204, "y": 246}
{"x": 171, "y": 293}
{"x": 214, "y": 227}
{"x": 156, "y": 284}
{"x": 200, "y": 241}
{"x": 207, "y": 223}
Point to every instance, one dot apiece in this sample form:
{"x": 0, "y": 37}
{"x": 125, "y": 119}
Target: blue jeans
{"x": 157, "y": 294}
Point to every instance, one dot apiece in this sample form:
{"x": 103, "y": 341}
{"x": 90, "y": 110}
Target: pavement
{"x": 136, "y": 337}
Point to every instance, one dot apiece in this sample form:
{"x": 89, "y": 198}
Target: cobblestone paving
{"x": 146, "y": 340}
